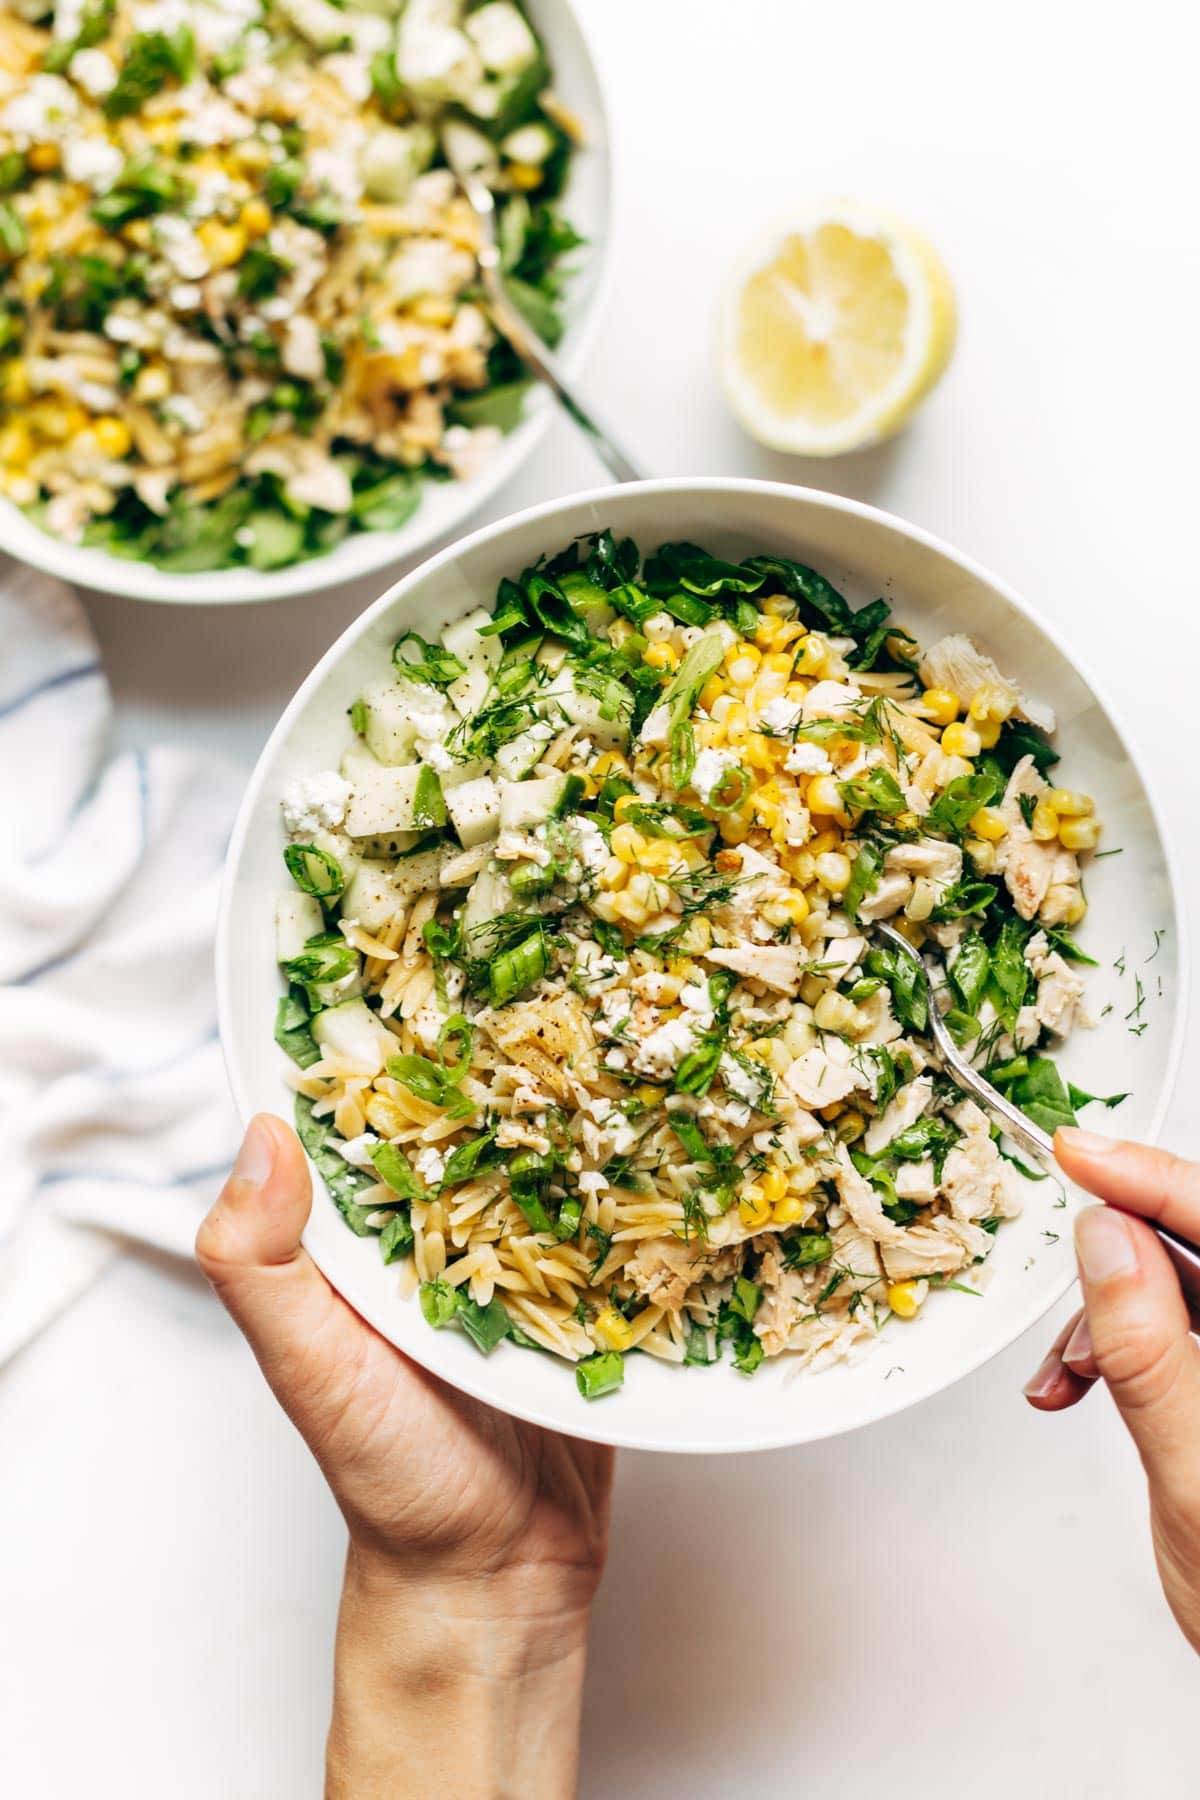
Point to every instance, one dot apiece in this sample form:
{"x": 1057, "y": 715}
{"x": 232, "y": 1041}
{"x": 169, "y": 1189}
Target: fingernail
{"x": 1078, "y": 1347}
{"x": 256, "y": 1158}
{"x": 1040, "y": 1384}
{"x": 1088, "y": 1143}
{"x": 1103, "y": 1244}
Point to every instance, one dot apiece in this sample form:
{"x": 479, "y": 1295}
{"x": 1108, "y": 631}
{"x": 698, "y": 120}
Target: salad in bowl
{"x": 240, "y": 321}
{"x": 587, "y": 1027}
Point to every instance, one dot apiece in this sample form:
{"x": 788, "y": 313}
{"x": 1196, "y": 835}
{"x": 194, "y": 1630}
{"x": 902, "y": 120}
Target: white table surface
{"x": 961, "y": 1599}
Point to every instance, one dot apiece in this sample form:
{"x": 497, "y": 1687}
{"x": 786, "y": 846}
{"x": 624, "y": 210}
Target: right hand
{"x": 1134, "y": 1334}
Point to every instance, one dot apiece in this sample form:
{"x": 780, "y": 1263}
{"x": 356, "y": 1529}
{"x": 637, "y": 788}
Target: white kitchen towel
{"x": 115, "y": 1118}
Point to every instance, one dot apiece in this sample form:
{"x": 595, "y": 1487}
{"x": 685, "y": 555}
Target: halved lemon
{"x": 833, "y": 329}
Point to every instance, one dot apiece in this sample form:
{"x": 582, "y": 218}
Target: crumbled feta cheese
{"x": 433, "y": 59}
{"x": 430, "y": 1165}
{"x": 302, "y": 352}
{"x": 92, "y": 70}
{"x": 428, "y": 267}
{"x": 357, "y": 1151}
{"x": 435, "y": 754}
{"x": 591, "y": 1181}
{"x": 659, "y": 1054}
{"x": 807, "y": 759}
{"x": 779, "y": 716}
{"x": 710, "y": 771}
{"x": 695, "y": 998}
{"x": 592, "y": 844}
{"x": 316, "y": 802}
{"x": 92, "y": 161}
{"x": 46, "y": 108}
{"x": 656, "y": 728}
{"x": 181, "y": 247}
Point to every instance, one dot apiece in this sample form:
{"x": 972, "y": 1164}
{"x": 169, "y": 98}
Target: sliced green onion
{"x": 570, "y": 1217}
{"x": 314, "y": 871}
{"x": 460, "y": 1032}
{"x": 598, "y": 1375}
{"x": 719, "y": 801}
{"x": 518, "y": 968}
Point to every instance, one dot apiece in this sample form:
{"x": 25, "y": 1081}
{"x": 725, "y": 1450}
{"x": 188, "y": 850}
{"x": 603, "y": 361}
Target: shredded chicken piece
{"x": 956, "y": 664}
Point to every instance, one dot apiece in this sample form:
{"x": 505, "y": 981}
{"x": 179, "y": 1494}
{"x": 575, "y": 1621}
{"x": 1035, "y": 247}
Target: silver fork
{"x": 513, "y": 327}
{"x": 1184, "y": 1256}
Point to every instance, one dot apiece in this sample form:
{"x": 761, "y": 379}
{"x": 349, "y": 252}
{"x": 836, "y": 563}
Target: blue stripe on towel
{"x": 64, "y": 678}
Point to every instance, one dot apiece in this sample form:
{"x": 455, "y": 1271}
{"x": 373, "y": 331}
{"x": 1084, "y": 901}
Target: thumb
{"x": 249, "y": 1247}
{"x": 1140, "y": 1342}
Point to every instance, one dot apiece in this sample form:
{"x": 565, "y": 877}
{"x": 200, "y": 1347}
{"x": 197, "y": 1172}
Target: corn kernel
{"x": 758, "y": 752}
{"x": 1076, "y": 911}
{"x": 833, "y": 871}
{"x": 1079, "y": 834}
{"x": 773, "y": 1185}
{"x": 778, "y": 663}
{"x": 626, "y": 843}
{"x": 850, "y": 1127}
{"x": 614, "y": 874}
{"x": 17, "y": 387}
{"x": 613, "y": 1328}
{"x": 795, "y": 905}
{"x": 113, "y": 437}
{"x": 753, "y": 1207}
{"x": 922, "y": 900}
{"x": 1044, "y": 824}
{"x": 905, "y": 1298}
{"x": 811, "y": 655}
{"x": 696, "y": 936}
{"x": 833, "y": 1012}
{"x": 799, "y": 865}
{"x": 961, "y": 740}
{"x": 609, "y": 762}
{"x": 990, "y": 703}
{"x": 1068, "y": 804}
{"x": 989, "y": 733}
{"x": 622, "y": 805}
{"x": 791, "y": 1210}
{"x": 982, "y": 854}
{"x": 743, "y": 670}
{"x": 711, "y": 692}
{"x": 989, "y": 822}
{"x": 255, "y": 217}
{"x": 742, "y": 650}
{"x": 823, "y": 796}
{"x": 661, "y": 656}
{"x": 16, "y": 443}
{"x": 524, "y": 176}
{"x": 940, "y": 706}
{"x": 42, "y": 158}
{"x": 223, "y": 244}
{"x": 151, "y": 384}
{"x": 734, "y": 828}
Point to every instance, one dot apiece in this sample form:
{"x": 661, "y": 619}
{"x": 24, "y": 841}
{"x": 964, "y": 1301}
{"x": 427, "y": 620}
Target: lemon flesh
{"x": 834, "y": 330}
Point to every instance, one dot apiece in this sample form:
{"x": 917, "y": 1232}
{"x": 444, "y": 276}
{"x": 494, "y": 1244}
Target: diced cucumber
{"x": 520, "y": 754}
{"x": 529, "y": 879}
{"x": 277, "y": 539}
{"x": 333, "y": 993}
{"x": 298, "y": 917}
{"x": 370, "y": 897}
{"x": 490, "y": 896}
{"x": 588, "y": 711}
{"x": 460, "y": 772}
{"x": 388, "y": 845}
{"x": 416, "y": 875}
{"x": 474, "y": 809}
{"x": 392, "y": 711}
{"x": 387, "y": 798}
{"x": 352, "y": 1030}
{"x": 481, "y": 657}
{"x": 526, "y": 803}
{"x": 339, "y": 846}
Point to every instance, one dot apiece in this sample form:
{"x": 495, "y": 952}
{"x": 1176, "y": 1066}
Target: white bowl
{"x": 445, "y": 506}
{"x": 1133, "y": 896}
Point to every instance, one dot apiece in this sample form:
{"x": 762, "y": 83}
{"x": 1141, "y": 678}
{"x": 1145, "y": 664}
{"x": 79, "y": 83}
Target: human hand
{"x": 476, "y": 1541}
{"x": 1134, "y": 1334}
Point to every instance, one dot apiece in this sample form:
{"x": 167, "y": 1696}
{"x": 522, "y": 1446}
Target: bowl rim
{"x": 98, "y": 571}
{"x": 1027, "y": 1317}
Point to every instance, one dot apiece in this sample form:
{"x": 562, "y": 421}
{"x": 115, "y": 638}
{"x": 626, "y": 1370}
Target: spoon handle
{"x": 515, "y": 328}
